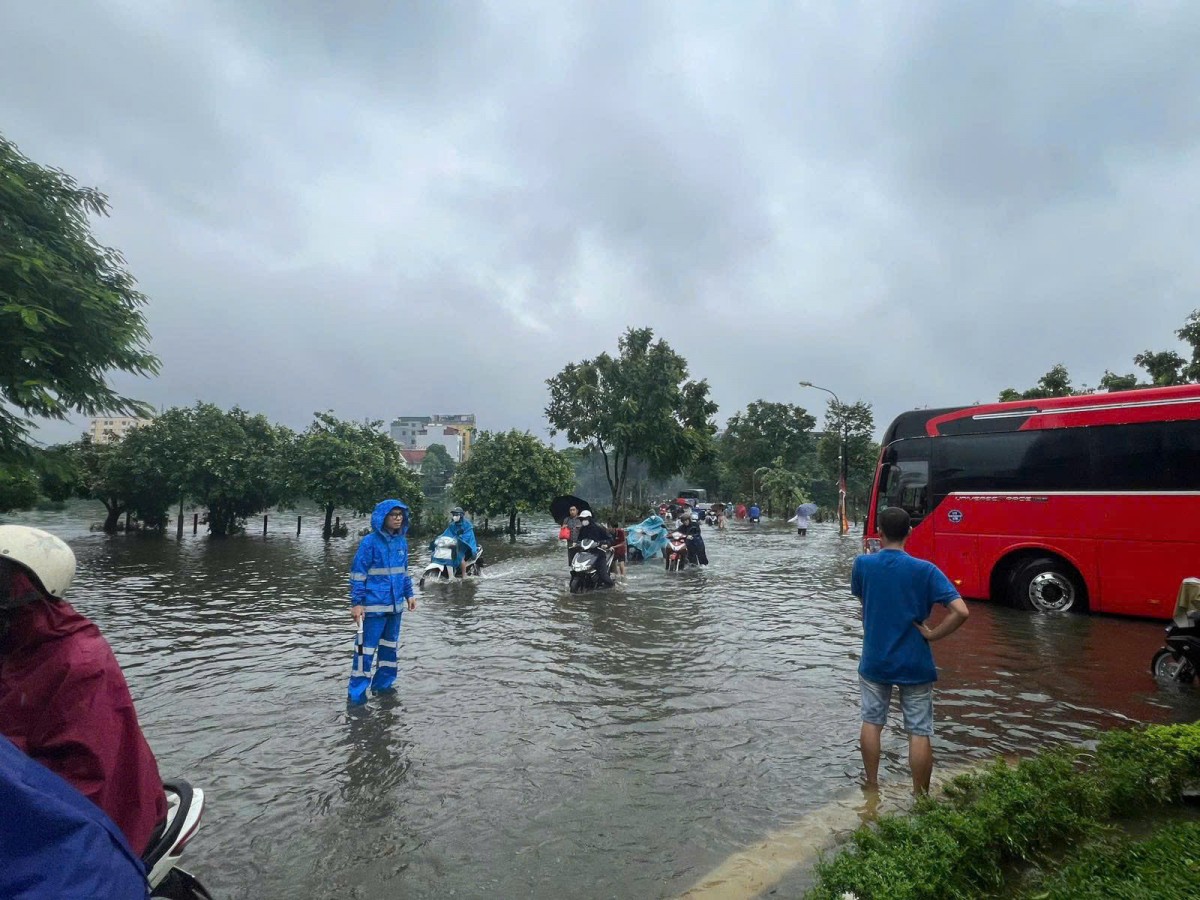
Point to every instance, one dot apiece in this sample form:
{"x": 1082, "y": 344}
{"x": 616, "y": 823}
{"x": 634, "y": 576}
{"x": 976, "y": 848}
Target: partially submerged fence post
{"x": 264, "y": 526}
{"x": 195, "y": 522}
{"x": 297, "y": 526}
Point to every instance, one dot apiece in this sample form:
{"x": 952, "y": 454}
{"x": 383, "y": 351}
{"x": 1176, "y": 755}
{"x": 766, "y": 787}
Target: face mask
{"x": 457, "y": 518}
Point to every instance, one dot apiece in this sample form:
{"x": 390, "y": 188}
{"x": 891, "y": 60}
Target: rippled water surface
{"x": 619, "y": 744}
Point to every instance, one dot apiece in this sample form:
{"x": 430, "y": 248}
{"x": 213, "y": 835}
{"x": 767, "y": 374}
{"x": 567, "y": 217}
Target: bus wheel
{"x": 1046, "y": 585}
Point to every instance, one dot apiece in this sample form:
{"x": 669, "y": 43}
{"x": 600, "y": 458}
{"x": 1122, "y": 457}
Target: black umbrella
{"x": 560, "y": 505}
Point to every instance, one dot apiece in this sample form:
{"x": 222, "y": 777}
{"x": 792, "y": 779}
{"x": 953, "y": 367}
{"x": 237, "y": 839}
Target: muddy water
{"x": 622, "y": 744}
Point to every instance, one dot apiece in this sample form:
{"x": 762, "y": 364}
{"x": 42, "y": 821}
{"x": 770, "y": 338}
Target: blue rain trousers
{"x": 375, "y": 664}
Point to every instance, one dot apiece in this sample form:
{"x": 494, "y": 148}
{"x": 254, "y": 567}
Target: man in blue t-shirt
{"x": 898, "y": 593}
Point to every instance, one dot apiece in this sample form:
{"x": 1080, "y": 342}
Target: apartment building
{"x": 421, "y": 432}
{"x": 106, "y": 429}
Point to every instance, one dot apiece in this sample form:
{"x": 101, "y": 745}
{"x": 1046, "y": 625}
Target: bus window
{"x": 905, "y": 478}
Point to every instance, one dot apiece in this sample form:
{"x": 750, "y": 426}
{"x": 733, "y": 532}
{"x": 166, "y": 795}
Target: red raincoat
{"x": 64, "y": 701}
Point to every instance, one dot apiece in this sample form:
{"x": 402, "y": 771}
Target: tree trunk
{"x": 327, "y": 531}
{"x": 113, "y": 519}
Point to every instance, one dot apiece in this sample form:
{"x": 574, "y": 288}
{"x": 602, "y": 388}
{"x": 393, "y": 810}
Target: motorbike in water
{"x": 445, "y": 559}
{"x": 185, "y": 806}
{"x": 1179, "y": 660}
{"x": 676, "y": 551}
{"x": 585, "y": 571}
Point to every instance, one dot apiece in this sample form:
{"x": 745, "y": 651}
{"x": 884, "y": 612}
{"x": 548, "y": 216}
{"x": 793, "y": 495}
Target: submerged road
{"x": 645, "y": 742}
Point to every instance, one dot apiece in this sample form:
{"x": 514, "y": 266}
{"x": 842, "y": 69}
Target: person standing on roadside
{"x": 379, "y": 591}
{"x": 898, "y": 593}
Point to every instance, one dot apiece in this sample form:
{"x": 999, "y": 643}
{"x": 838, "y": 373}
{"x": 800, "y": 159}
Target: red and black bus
{"x": 1067, "y": 503}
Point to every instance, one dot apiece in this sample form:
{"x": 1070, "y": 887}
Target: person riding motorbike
{"x": 461, "y": 529}
{"x": 691, "y": 530}
{"x": 590, "y": 530}
{"x": 63, "y": 697}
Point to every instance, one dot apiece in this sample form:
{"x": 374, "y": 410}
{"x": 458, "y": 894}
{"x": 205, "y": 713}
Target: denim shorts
{"x": 916, "y": 702}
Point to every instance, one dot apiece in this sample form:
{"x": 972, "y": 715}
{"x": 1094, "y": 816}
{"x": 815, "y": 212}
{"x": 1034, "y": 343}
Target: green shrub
{"x": 963, "y": 843}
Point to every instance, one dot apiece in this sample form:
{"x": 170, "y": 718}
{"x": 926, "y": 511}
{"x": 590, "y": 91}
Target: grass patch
{"x": 962, "y": 844}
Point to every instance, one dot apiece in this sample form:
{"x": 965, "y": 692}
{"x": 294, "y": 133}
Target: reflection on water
{"x": 618, "y": 744}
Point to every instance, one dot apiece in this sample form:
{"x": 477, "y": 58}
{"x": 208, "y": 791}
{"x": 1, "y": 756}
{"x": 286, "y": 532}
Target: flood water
{"x": 619, "y": 744}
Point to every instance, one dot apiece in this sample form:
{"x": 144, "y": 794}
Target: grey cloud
{"x": 308, "y": 191}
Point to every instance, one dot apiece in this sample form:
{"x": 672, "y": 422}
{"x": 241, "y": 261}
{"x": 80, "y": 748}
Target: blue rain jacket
{"x": 379, "y": 574}
{"x": 55, "y": 843}
{"x": 649, "y": 536}
{"x": 464, "y": 532}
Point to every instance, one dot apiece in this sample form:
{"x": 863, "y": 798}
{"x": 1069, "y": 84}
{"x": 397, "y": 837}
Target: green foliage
{"x": 1164, "y": 368}
{"x": 1166, "y": 864}
{"x": 349, "y": 465}
{"x": 1055, "y": 383}
{"x": 69, "y": 312}
{"x": 782, "y": 487}
{"x": 862, "y": 452}
{"x": 1114, "y": 382}
{"x": 509, "y": 473}
{"x": 963, "y": 844}
{"x": 437, "y": 469}
{"x": 18, "y": 487}
{"x": 233, "y": 463}
{"x": 638, "y": 404}
{"x": 1190, "y": 334}
{"x": 767, "y": 434}
{"x": 59, "y": 473}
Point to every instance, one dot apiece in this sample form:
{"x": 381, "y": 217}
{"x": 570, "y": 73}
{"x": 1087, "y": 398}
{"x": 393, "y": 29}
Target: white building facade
{"x": 421, "y": 432}
{"x": 106, "y": 429}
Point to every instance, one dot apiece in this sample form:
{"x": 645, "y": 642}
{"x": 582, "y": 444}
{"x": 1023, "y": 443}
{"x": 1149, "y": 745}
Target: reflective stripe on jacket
{"x": 379, "y": 577}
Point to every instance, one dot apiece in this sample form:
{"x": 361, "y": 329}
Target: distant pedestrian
{"x": 898, "y": 593}
{"x": 380, "y": 589}
{"x": 619, "y": 545}
{"x": 802, "y": 520}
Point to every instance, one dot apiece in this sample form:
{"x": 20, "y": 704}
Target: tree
{"x": 233, "y": 463}
{"x": 783, "y": 486}
{"x": 767, "y": 432}
{"x": 18, "y": 487}
{"x": 1114, "y": 382}
{"x": 437, "y": 470}
{"x": 1190, "y": 333}
{"x": 509, "y": 473}
{"x": 69, "y": 312}
{"x": 862, "y": 453}
{"x": 99, "y": 472}
{"x": 1055, "y": 383}
{"x": 640, "y": 403}
{"x": 1164, "y": 368}
{"x": 350, "y": 465}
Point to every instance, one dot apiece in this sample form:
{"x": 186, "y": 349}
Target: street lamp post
{"x": 753, "y": 489}
{"x": 843, "y": 522}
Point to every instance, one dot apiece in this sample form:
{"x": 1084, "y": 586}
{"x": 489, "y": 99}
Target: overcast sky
{"x": 386, "y": 208}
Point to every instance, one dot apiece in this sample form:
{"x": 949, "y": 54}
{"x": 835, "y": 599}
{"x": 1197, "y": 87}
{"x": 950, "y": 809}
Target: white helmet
{"x": 46, "y": 557}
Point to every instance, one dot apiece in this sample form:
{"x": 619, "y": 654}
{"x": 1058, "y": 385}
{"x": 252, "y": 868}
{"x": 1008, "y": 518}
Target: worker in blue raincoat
{"x": 55, "y": 842}
{"x": 379, "y": 590}
{"x": 461, "y": 529}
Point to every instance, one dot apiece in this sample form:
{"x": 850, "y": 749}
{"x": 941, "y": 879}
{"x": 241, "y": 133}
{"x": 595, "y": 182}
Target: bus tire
{"x": 1047, "y": 585}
